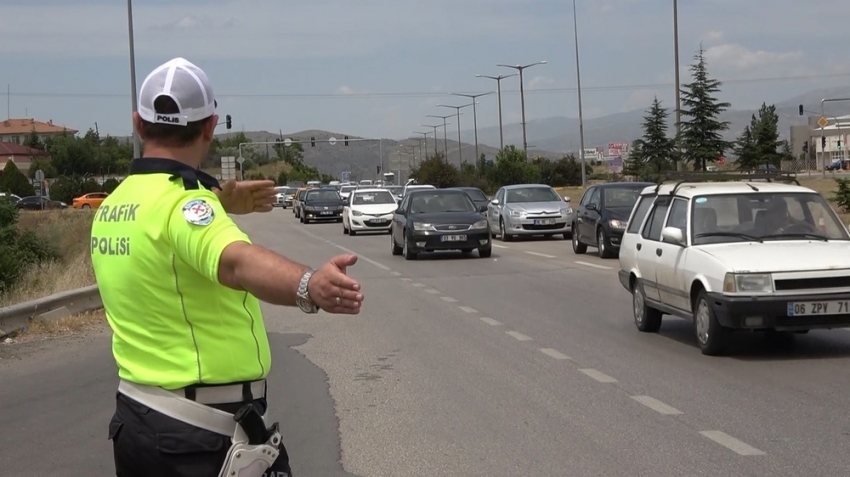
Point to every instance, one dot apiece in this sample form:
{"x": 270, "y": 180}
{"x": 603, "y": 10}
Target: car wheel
{"x": 396, "y": 250}
{"x": 408, "y": 254}
{"x": 344, "y": 229}
{"x": 578, "y": 247}
{"x": 86, "y": 206}
{"x": 602, "y": 244}
{"x": 502, "y": 234}
{"x": 647, "y": 319}
{"x": 711, "y": 337}
{"x": 485, "y": 252}
{"x": 351, "y": 233}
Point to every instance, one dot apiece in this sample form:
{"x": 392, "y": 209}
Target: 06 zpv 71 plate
{"x": 808, "y": 308}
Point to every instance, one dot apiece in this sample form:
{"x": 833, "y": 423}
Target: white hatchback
{"x": 368, "y": 210}
{"x": 753, "y": 256}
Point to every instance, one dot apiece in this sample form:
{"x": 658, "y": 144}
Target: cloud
{"x": 345, "y": 90}
{"x": 714, "y": 36}
{"x": 737, "y": 57}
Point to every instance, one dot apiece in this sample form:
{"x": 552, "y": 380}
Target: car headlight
{"x": 617, "y": 224}
{"x": 747, "y": 283}
{"x": 340, "y": 207}
{"x": 422, "y": 227}
{"x": 566, "y": 211}
{"x": 356, "y": 213}
{"x": 481, "y": 224}
{"x": 517, "y": 213}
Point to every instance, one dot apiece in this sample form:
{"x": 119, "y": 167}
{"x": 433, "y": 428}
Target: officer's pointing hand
{"x": 244, "y": 197}
{"x": 332, "y": 290}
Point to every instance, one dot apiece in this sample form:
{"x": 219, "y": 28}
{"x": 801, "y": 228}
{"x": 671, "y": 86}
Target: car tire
{"x": 86, "y": 206}
{"x": 711, "y": 336}
{"x": 502, "y": 234}
{"x": 408, "y": 254}
{"x": 602, "y": 244}
{"x": 578, "y": 247}
{"x": 485, "y": 252}
{"x": 351, "y": 233}
{"x": 647, "y": 319}
{"x": 396, "y": 250}
{"x": 344, "y": 229}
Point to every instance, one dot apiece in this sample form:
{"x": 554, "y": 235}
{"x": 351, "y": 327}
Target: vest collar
{"x": 190, "y": 176}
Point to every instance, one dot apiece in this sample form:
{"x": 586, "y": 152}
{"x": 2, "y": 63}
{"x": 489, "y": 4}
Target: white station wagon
{"x": 754, "y": 256}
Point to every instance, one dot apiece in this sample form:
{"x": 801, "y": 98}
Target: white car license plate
{"x": 379, "y": 221}
{"x": 544, "y": 221}
{"x": 453, "y": 238}
{"x": 808, "y": 308}
{"x": 327, "y": 212}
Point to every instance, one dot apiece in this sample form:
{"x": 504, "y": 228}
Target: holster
{"x": 255, "y": 448}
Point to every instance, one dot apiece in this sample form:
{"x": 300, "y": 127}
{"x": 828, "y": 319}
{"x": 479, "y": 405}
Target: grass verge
{"x": 69, "y": 230}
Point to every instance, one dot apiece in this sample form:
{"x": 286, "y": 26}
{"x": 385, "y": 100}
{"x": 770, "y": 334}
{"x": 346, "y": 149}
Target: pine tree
{"x": 745, "y": 149}
{"x": 765, "y": 132}
{"x": 656, "y": 147}
{"x": 702, "y": 133}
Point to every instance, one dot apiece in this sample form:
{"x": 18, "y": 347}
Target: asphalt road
{"x": 526, "y": 363}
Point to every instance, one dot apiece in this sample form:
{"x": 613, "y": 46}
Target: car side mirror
{"x": 567, "y": 199}
{"x": 673, "y": 235}
{"x": 483, "y": 208}
{"x": 495, "y": 201}
{"x": 590, "y": 206}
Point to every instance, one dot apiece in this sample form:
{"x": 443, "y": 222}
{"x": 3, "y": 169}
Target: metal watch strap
{"x": 303, "y": 296}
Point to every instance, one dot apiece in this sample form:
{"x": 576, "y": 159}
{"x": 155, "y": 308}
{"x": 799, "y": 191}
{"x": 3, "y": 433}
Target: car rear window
{"x": 642, "y": 207}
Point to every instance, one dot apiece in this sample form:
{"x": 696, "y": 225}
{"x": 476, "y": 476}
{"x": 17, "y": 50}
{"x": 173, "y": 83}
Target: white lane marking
{"x": 518, "y": 335}
{"x": 398, "y": 274}
{"x": 490, "y": 321}
{"x": 499, "y": 246}
{"x": 432, "y": 291}
{"x": 656, "y": 405}
{"x": 729, "y": 442}
{"x": 553, "y": 353}
{"x": 346, "y": 250}
{"x": 541, "y": 254}
{"x": 468, "y": 309}
{"x": 448, "y": 299}
{"x": 405, "y": 279}
{"x": 418, "y": 285}
{"x": 593, "y": 265}
{"x": 598, "y": 375}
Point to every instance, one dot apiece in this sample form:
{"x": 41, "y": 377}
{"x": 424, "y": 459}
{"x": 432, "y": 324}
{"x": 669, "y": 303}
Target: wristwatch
{"x": 302, "y": 296}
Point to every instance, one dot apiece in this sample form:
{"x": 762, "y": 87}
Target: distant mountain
{"x": 560, "y": 134}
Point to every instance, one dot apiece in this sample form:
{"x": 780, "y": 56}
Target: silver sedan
{"x": 529, "y": 209}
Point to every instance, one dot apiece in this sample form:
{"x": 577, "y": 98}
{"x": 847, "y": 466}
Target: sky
{"x": 377, "y": 68}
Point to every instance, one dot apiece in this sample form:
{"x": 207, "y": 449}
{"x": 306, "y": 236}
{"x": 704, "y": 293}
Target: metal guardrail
{"x": 59, "y": 305}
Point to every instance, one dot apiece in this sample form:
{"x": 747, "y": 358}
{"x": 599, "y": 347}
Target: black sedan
{"x": 603, "y": 215}
{"x": 437, "y": 220}
{"x": 37, "y": 202}
{"x": 322, "y": 205}
{"x": 479, "y": 198}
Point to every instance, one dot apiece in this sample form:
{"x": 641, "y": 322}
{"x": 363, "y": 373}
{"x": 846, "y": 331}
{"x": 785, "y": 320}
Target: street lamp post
{"x": 474, "y": 97}
{"x": 459, "y": 145}
{"x": 520, "y": 69}
{"x": 435, "y": 137}
{"x": 676, "y": 72}
{"x": 422, "y": 154}
{"x": 136, "y": 143}
{"x": 578, "y": 82}
{"x": 499, "y": 92}
{"x": 445, "y": 132}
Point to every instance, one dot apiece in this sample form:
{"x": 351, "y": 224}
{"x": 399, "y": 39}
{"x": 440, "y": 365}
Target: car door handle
{"x": 658, "y": 251}
{"x": 639, "y": 246}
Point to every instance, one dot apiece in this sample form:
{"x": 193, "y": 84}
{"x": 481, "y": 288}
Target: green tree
{"x": 511, "y": 167}
{"x": 702, "y": 131}
{"x": 34, "y": 141}
{"x": 21, "y": 250}
{"x": 436, "y": 172}
{"x": 282, "y": 178}
{"x": 745, "y": 149}
{"x": 765, "y": 131}
{"x": 109, "y": 185}
{"x": 656, "y": 148}
{"x": 15, "y": 182}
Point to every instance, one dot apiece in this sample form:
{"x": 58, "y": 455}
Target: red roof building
{"x": 22, "y": 156}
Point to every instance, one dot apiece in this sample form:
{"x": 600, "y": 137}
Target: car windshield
{"x": 532, "y": 194}
{"x": 370, "y": 198}
{"x": 620, "y": 197}
{"x": 322, "y": 195}
{"x": 425, "y": 203}
{"x": 761, "y": 216}
{"x": 475, "y": 194}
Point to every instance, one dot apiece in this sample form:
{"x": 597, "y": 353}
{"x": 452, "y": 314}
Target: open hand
{"x": 244, "y": 197}
{"x": 332, "y": 290}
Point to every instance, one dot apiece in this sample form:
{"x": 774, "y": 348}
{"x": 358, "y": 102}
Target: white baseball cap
{"x": 183, "y": 82}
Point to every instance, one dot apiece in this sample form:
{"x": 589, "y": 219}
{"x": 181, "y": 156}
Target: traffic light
{"x": 312, "y": 142}
{"x": 801, "y": 110}
{"x": 379, "y": 169}
{"x": 805, "y": 147}
{"x": 823, "y": 143}
{"x": 229, "y": 121}
{"x": 346, "y": 140}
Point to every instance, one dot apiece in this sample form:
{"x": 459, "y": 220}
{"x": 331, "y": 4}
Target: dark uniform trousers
{"x": 147, "y": 443}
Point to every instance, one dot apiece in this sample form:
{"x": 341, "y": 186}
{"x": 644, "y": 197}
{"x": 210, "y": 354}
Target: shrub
{"x": 21, "y": 250}
{"x": 14, "y": 181}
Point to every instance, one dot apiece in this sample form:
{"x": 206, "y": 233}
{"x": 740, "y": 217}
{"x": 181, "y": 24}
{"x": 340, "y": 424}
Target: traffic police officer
{"x": 181, "y": 285}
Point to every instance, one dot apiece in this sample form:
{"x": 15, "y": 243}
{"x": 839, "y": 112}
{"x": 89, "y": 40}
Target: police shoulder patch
{"x": 198, "y": 212}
